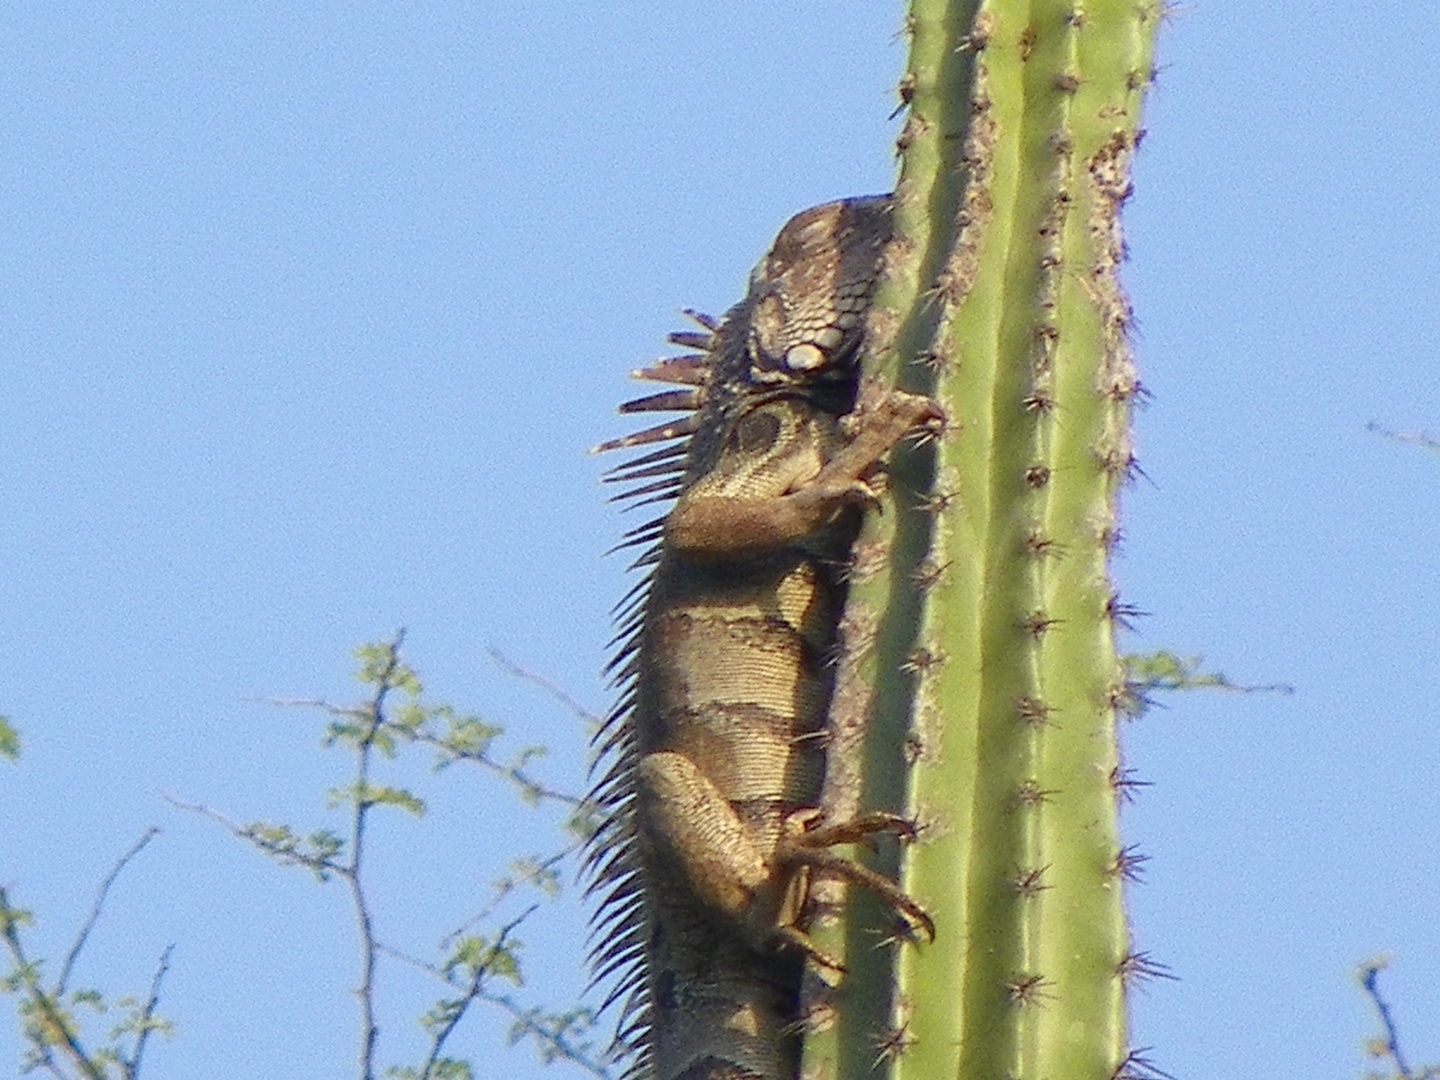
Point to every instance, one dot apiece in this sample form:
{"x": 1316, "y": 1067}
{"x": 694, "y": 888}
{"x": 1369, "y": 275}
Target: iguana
{"x": 717, "y": 747}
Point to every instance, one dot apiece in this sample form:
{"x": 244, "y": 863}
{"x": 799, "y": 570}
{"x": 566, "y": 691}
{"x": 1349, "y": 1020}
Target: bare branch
{"x": 1389, "y": 1045}
{"x": 96, "y": 908}
{"x": 506, "y": 886}
{"x": 147, "y": 1016}
{"x": 505, "y": 664}
{"x": 1415, "y": 438}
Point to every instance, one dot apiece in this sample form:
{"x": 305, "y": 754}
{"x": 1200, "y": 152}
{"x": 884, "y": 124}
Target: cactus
{"x": 981, "y": 685}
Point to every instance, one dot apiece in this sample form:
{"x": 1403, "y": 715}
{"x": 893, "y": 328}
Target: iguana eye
{"x": 804, "y": 357}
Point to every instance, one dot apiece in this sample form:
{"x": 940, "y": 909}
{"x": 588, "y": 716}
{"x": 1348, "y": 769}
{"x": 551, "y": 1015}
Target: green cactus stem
{"x": 981, "y": 665}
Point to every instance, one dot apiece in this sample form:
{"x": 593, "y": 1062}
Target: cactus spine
{"x": 981, "y": 659}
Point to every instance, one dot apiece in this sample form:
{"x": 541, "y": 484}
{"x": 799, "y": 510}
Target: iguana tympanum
{"x": 717, "y": 747}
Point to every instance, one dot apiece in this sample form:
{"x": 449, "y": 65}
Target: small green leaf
{"x": 410, "y": 718}
{"x": 347, "y": 731}
{"x": 469, "y": 736}
{"x": 93, "y": 998}
{"x": 13, "y": 918}
{"x": 361, "y": 794}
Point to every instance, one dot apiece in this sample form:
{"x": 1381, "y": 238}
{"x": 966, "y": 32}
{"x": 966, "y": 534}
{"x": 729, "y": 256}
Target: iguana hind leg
{"x": 690, "y": 822}
{"x": 721, "y": 865}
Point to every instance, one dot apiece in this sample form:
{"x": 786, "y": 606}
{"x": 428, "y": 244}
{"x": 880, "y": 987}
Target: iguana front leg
{"x": 727, "y": 526}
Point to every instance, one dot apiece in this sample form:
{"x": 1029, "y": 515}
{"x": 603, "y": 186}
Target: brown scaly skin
{"x": 719, "y": 741}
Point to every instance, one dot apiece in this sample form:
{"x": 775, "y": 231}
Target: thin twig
{"x": 475, "y": 989}
{"x": 562, "y": 1047}
{"x": 147, "y": 1016}
{"x": 514, "y": 773}
{"x": 506, "y": 886}
{"x": 505, "y": 664}
{"x": 1369, "y": 979}
{"x": 351, "y": 712}
{"x": 1414, "y": 438}
{"x": 249, "y": 834}
{"x": 214, "y": 815}
{"x": 447, "y": 943}
{"x": 95, "y": 909}
{"x": 472, "y": 991}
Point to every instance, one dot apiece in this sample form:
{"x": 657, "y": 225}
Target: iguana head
{"x": 807, "y": 296}
{"x": 798, "y": 330}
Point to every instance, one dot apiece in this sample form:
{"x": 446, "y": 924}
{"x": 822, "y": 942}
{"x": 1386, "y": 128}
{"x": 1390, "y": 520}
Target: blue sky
{"x": 311, "y": 312}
